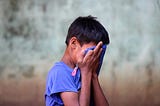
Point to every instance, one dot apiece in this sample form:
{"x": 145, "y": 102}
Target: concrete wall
{"x": 32, "y": 35}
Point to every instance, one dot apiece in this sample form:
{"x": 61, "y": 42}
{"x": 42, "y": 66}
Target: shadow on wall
{"x": 32, "y": 35}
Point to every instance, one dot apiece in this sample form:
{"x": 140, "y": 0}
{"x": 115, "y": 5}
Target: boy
{"x": 74, "y": 80}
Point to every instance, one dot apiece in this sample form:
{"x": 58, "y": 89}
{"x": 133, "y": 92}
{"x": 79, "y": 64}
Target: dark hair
{"x": 86, "y": 30}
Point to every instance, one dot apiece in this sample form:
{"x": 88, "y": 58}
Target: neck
{"x": 67, "y": 59}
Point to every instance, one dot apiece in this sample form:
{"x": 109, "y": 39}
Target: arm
{"x": 99, "y": 97}
{"x": 85, "y": 89}
{"x": 70, "y": 98}
{"x": 87, "y": 65}
{"x": 83, "y": 97}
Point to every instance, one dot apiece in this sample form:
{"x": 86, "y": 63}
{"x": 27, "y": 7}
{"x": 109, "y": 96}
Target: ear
{"x": 74, "y": 42}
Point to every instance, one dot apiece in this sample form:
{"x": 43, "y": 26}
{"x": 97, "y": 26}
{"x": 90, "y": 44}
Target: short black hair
{"x": 87, "y": 29}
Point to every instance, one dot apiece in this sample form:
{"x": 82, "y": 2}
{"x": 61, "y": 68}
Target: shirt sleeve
{"x": 60, "y": 80}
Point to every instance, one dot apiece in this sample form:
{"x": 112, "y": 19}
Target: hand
{"x": 97, "y": 50}
{"x": 90, "y": 62}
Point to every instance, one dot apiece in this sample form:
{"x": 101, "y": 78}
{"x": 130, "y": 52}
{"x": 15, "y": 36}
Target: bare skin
{"x": 88, "y": 65}
{"x": 99, "y": 97}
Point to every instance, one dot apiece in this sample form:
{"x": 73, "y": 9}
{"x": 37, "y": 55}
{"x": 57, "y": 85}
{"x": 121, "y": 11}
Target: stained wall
{"x": 32, "y": 35}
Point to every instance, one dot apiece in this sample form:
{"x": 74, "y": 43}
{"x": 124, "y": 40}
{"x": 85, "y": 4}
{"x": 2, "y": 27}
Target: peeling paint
{"x": 32, "y": 39}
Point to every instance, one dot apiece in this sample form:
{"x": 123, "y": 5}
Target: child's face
{"x": 81, "y": 49}
{"x": 76, "y": 51}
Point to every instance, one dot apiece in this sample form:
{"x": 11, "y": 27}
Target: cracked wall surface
{"x": 32, "y": 36}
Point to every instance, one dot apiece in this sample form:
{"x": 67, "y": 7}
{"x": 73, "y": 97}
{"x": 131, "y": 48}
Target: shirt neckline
{"x": 61, "y": 62}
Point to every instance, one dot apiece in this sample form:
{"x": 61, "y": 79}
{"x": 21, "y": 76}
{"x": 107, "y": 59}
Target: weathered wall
{"x": 32, "y": 34}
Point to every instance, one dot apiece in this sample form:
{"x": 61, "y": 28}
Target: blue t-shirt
{"x": 59, "y": 80}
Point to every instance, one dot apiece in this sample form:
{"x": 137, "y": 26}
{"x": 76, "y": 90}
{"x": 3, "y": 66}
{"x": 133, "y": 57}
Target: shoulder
{"x": 59, "y": 69}
{"x": 60, "y": 79}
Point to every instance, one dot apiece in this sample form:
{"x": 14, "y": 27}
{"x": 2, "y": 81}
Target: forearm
{"x": 84, "y": 98}
{"x": 99, "y": 97}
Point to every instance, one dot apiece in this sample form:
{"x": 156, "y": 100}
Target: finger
{"x": 99, "y": 53}
{"x": 98, "y": 47}
{"x": 88, "y": 55}
{"x": 97, "y": 57}
{"x": 81, "y": 57}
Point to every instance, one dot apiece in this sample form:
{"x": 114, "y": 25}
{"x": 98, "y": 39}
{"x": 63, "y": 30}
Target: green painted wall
{"x": 32, "y": 35}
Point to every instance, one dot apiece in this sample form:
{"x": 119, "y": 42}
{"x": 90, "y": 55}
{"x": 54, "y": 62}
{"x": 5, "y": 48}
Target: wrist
{"x": 85, "y": 71}
{"x": 94, "y": 76}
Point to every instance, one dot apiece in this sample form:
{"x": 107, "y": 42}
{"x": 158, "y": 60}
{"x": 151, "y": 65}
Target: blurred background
{"x": 32, "y": 36}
